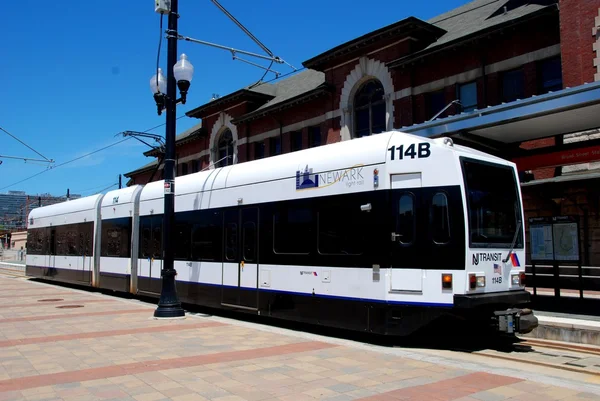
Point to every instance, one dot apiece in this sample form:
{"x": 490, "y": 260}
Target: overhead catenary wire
{"x": 243, "y": 28}
{"x": 67, "y": 162}
{"x": 80, "y": 157}
{"x": 110, "y": 186}
{"x": 261, "y": 82}
{"x": 14, "y": 137}
{"x": 270, "y": 55}
{"x": 82, "y": 191}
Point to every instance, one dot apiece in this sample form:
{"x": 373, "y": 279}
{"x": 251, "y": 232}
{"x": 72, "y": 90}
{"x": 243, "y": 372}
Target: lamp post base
{"x": 168, "y": 304}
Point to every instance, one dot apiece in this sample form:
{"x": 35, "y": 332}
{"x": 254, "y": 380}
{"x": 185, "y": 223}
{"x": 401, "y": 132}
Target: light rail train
{"x": 382, "y": 234}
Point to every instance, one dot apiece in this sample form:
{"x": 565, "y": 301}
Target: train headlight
{"x": 522, "y": 279}
{"x": 476, "y": 281}
{"x": 518, "y": 279}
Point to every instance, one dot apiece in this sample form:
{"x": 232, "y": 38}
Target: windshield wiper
{"x": 514, "y": 241}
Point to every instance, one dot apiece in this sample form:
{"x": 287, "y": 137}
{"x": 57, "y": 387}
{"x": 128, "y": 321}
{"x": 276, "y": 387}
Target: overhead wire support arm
{"x": 231, "y": 49}
{"x": 156, "y": 137}
{"x": 17, "y": 139}
{"x": 135, "y": 134}
{"x": 277, "y": 74}
{"x": 26, "y": 159}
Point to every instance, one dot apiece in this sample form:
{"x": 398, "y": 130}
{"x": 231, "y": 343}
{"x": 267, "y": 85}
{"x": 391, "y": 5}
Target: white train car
{"x": 383, "y": 234}
{"x": 63, "y": 241}
{"x": 119, "y": 239}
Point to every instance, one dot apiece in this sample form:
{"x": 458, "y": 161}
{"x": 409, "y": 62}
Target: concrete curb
{"x": 9, "y": 264}
{"x": 566, "y": 330}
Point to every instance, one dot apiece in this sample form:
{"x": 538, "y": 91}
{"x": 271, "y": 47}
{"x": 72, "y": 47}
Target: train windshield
{"x": 493, "y": 205}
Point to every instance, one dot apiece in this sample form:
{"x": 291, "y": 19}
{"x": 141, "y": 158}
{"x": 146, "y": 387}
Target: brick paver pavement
{"x": 107, "y": 348}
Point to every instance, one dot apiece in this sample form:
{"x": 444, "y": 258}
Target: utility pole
{"x": 169, "y": 305}
{"x": 119, "y": 181}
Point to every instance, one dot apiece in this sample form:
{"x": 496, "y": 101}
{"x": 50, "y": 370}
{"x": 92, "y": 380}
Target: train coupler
{"x": 515, "y": 321}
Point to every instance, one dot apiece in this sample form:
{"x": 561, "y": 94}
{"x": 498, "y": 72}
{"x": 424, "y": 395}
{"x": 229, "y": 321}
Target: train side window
{"x": 156, "y": 244}
{"x": 341, "y": 230}
{"x": 231, "y": 241}
{"x": 35, "y": 238}
{"x": 145, "y": 237}
{"x": 86, "y": 233}
{"x": 113, "y": 240}
{"x": 72, "y": 233}
{"x": 183, "y": 233}
{"x": 292, "y": 231}
{"x": 206, "y": 235}
{"x": 116, "y": 238}
{"x": 405, "y": 223}
{"x": 60, "y": 238}
{"x": 249, "y": 241}
{"x": 51, "y": 240}
{"x": 440, "y": 219}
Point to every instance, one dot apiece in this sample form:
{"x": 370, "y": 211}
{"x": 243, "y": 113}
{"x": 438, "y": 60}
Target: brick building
{"x": 479, "y": 56}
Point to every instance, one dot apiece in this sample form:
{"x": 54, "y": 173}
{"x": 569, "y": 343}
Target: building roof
{"x": 142, "y": 169}
{"x": 481, "y": 14}
{"x": 410, "y": 26}
{"x": 292, "y": 89}
{"x": 260, "y": 93}
{"x": 476, "y": 17}
{"x": 186, "y": 136}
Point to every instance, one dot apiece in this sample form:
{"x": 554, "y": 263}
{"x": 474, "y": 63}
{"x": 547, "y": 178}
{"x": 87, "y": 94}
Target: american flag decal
{"x": 497, "y": 268}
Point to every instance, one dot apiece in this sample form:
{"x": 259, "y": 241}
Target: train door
{"x": 51, "y": 265}
{"x": 150, "y": 261}
{"x": 407, "y": 274}
{"x": 84, "y": 264}
{"x": 240, "y": 262}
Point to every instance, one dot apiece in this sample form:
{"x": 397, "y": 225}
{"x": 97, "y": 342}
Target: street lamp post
{"x": 179, "y": 74}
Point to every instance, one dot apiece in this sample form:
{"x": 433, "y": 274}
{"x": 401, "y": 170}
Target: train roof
{"x": 77, "y": 205}
{"x": 365, "y": 151}
{"x": 121, "y": 196}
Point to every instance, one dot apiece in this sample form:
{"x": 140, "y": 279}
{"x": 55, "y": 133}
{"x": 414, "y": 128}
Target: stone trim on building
{"x": 220, "y": 125}
{"x": 365, "y": 70}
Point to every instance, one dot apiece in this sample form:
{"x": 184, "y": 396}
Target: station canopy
{"x": 556, "y": 113}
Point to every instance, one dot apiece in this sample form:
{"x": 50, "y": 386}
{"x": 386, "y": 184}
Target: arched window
{"x": 369, "y": 109}
{"x": 225, "y": 149}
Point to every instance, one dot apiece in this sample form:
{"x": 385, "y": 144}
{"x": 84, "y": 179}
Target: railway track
{"x": 12, "y": 272}
{"x": 578, "y": 358}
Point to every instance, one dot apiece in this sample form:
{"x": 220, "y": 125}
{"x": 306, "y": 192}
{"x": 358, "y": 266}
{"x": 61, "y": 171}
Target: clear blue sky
{"x": 75, "y": 73}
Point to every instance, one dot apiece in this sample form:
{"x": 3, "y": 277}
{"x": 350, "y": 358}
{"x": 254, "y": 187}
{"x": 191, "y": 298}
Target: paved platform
{"x": 58, "y": 343}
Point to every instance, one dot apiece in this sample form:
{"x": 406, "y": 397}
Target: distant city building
{"x": 15, "y": 205}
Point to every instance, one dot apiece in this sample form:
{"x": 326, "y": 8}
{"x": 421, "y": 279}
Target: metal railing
{"x": 563, "y": 277}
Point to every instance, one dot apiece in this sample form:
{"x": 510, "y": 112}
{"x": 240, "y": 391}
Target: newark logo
{"x": 349, "y": 177}
{"x": 306, "y": 179}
